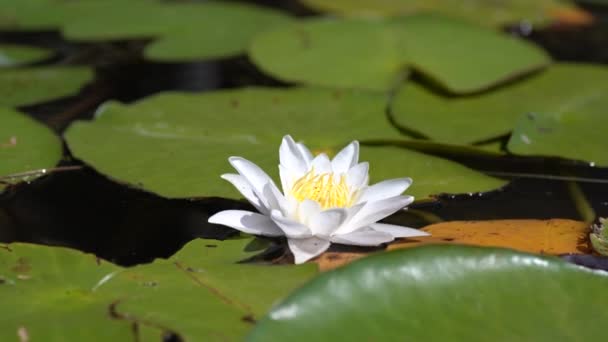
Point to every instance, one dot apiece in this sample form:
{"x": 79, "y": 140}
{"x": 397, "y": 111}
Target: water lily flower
{"x": 323, "y": 201}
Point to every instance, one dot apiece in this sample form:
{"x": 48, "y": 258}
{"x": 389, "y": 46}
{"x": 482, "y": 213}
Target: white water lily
{"x": 322, "y": 201}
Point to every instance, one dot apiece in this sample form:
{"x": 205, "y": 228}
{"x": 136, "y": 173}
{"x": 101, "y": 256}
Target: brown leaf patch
{"x": 557, "y": 236}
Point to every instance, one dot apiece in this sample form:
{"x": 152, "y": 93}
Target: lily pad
{"x": 431, "y": 175}
{"x": 464, "y": 120}
{"x": 199, "y": 294}
{"x": 444, "y": 293}
{"x": 473, "y": 62}
{"x": 25, "y": 145}
{"x": 189, "y": 30}
{"x": 13, "y": 55}
{"x": 349, "y": 53}
{"x": 330, "y": 52}
{"x": 489, "y": 13}
{"x": 23, "y": 86}
{"x": 177, "y": 145}
{"x": 573, "y": 134}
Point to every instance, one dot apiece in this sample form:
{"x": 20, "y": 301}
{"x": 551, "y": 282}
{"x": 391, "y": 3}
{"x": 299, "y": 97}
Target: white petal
{"x": 357, "y": 176}
{"x": 291, "y": 158}
{"x": 321, "y": 164}
{"x": 363, "y": 238}
{"x": 347, "y": 158}
{"x": 243, "y": 186}
{"x": 247, "y": 222}
{"x": 397, "y": 231}
{"x": 287, "y": 179}
{"x": 275, "y": 198}
{"x": 307, "y": 210}
{"x": 306, "y": 154}
{"x": 254, "y": 175}
{"x": 327, "y": 221}
{"x": 291, "y": 228}
{"x": 373, "y": 212}
{"x": 306, "y": 249}
{"x": 385, "y": 189}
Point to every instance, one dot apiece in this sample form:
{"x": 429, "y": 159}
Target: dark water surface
{"x": 85, "y": 210}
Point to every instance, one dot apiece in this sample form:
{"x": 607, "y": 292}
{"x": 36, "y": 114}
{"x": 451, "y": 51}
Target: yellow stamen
{"x": 324, "y": 189}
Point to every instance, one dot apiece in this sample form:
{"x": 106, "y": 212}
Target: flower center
{"x": 326, "y": 189}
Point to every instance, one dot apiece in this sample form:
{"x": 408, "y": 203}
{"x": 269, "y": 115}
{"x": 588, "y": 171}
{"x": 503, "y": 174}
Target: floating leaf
{"x": 200, "y": 293}
{"x": 431, "y": 175}
{"x": 444, "y": 293}
{"x": 24, "y": 86}
{"x": 485, "y": 12}
{"x": 351, "y": 53}
{"x": 189, "y": 30}
{"x": 375, "y": 53}
{"x": 25, "y": 145}
{"x": 13, "y": 55}
{"x": 557, "y": 236}
{"x": 573, "y": 134}
{"x": 178, "y": 145}
{"x": 473, "y": 62}
{"x": 462, "y": 120}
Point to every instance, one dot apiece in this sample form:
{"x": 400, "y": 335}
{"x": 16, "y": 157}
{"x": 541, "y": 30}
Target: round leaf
{"x": 12, "y": 55}
{"x": 463, "y": 120}
{"x": 431, "y": 175}
{"x": 189, "y": 30}
{"x": 199, "y": 294}
{"x": 573, "y": 135}
{"x": 351, "y": 53}
{"x": 444, "y": 293}
{"x": 25, "y": 145}
{"x": 177, "y": 145}
{"x": 473, "y": 62}
{"x": 38, "y": 84}
{"x": 375, "y": 53}
{"x": 484, "y": 12}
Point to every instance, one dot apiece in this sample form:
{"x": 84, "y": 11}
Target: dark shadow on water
{"x": 84, "y": 210}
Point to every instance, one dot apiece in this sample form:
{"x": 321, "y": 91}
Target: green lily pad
{"x": 25, "y": 86}
{"x": 351, "y": 53}
{"x": 177, "y": 145}
{"x": 375, "y": 53}
{"x": 473, "y": 62}
{"x": 189, "y": 30}
{"x": 444, "y": 293}
{"x": 572, "y": 135}
{"x": 462, "y": 120}
{"x": 13, "y": 55}
{"x": 490, "y": 13}
{"x": 200, "y": 293}
{"x": 25, "y": 145}
{"x": 431, "y": 175}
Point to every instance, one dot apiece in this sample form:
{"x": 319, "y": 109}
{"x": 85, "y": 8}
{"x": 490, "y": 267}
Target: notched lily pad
{"x": 330, "y": 52}
{"x": 200, "y": 294}
{"x": 474, "y": 62}
{"x": 402, "y": 295}
{"x": 489, "y": 13}
{"x": 465, "y": 120}
{"x": 177, "y": 145}
{"x": 190, "y": 30}
{"x": 351, "y": 53}
{"x": 431, "y": 175}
